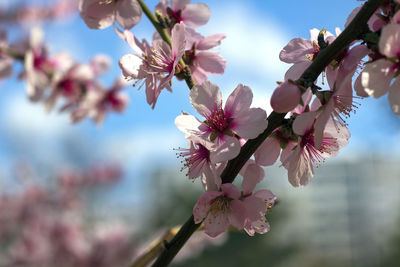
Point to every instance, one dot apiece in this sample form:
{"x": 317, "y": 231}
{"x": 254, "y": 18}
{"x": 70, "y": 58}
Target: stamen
{"x": 217, "y": 121}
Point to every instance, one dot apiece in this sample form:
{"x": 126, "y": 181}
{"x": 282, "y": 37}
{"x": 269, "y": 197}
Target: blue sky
{"x": 142, "y": 138}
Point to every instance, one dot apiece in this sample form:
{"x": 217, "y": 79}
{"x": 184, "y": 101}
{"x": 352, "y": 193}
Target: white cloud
{"x": 25, "y": 119}
{"x": 143, "y": 147}
{"x": 253, "y": 42}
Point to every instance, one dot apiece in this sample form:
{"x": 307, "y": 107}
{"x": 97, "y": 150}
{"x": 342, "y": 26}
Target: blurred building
{"x": 347, "y": 214}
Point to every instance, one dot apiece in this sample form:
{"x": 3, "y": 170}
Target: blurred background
{"x": 347, "y": 216}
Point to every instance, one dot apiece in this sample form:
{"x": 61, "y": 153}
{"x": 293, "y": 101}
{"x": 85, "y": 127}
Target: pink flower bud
{"x": 285, "y": 97}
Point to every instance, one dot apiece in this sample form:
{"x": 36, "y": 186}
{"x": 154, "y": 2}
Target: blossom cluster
{"x": 55, "y": 78}
{"x": 314, "y": 126}
{"x": 46, "y": 226}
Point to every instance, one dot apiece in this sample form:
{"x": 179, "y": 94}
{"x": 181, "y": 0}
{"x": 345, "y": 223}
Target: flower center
{"x": 217, "y": 121}
{"x": 194, "y": 159}
{"x": 316, "y": 157}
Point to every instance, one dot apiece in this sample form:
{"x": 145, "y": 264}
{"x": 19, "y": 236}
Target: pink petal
{"x": 296, "y": 51}
{"x": 300, "y": 170}
{"x": 237, "y": 214}
{"x": 354, "y": 57}
{"x": 267, "y": 196}
{"x": 178, "y": 41}
{"x": 351, "y": 16}
{"x": 359, "y": 88}
{"x": 394, "y": 96}
{"x": 230, "y": 190}
{"x": 295, "y": 71}
{"x": 304, "y": 122}
{"x": 239, "y": 101}
{"x": 389, "y": 42}
{"x": 229, "y": 149}
{"x": 195, "y": 15}
{"x": 210, "y": 62}
{"x": 96, "y": 15}
{"x": 210, "y": 179}
{"x": 376, "y": 77}
{"x": 268, "y": 152}
{"x": 204, "y": 97}
{"x": 320, "y": 123}
{"x": 187, "y": 124}
{"x": 202, "y": 206}
{"x": 250, "y": 124}
{"x": 285, "y": 97}
{"x": 287, "y": 153}
{"x": 252, "y": 176}
{"x": 130, "y": 65}
{"x": 210, "y": 41}
{"x": 128, "y": 13}
{"x": 255, "y": 208}
{"x": 261, "y": 226}
{"x": 179, "y": 4}
{"x": 198, "y": 75}
{"x": 216, "y": 224}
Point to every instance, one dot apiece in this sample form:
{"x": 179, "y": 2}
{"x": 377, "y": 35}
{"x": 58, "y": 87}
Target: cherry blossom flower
{"x": 376, "y": 78}
{"x": 100, "y": 14}
{"x": 298, "y": 158}
{"x": 223, "y": 126}
{"x": 201, "y": 61}
{"x": 301, "y": 52}
{"x": 197, "y": 161}
{"x": 193, "y": 15}
{"x": 245, "y": 210}
{"x": 155, "y": 65}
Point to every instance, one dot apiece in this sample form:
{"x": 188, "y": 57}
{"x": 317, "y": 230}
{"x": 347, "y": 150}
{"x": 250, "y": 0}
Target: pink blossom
{"x": 108, "y": 100}
{"x": 219, "y": 209}
{"x": 205, "y": 62}
{"x": 268, "y": 152}
{"x": 338, "y": 104}
{"x": 376, "y": 78}
{"x": 223, "y": 126}
{"x": 285, "y": 97}
{"x": 299, "y": 158}
{"x": 245, "y": 210}
{"x": 193, "y": 15}
{"x": 100, "y": 14}
{"x": 197, "y": 161}
{"x": 301, "y": 52}
{"x": 156, "y": 65}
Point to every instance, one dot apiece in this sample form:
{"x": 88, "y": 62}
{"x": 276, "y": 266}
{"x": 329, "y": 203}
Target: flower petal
{"x": 195, "y": 15}
{"x": 128, "y": 13}
{"x": 227, "y": 150}
{"x": 210, "y": 62}
{"x": 268, "y": 152}
{"x": 251, "y": 177}
{"x": 205, "y": 96}
{"x": 202, "y": 206}
{"x": 250, "y": 124}
{"x": 376, "y": 77}
{"x": 238, "y": 101}
{"x": 210, "y": 41}
{"x": 296, "y": 50}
